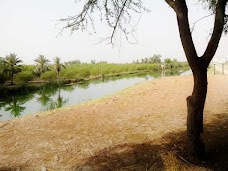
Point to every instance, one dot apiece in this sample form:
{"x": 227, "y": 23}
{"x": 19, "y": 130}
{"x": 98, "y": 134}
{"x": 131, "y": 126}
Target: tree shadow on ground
{"x": 125, "y": 157}
{"x": 167, "y": 153}
{"x": 14, "y": 168}
{"x": 150, "y": 156}
{"x": 216, "y": 142}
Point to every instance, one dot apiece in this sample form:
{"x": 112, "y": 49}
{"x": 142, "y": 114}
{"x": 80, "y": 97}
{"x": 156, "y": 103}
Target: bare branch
{"x": 117, "y": 20}
{"x": 217, "y": 32}
{"x": 194, "y": 24}
{"x": 118, "y": 15}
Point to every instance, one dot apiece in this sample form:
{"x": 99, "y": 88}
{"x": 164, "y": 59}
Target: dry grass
{"x": 140, "y": 128}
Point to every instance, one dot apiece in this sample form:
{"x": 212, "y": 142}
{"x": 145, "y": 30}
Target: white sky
{"x": 28, "y": 28}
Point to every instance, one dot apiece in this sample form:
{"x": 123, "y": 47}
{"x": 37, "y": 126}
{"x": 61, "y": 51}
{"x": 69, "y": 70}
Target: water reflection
{"x": 84, "y": 85}
{"x": 53, "y": 96}
{"x": 15, "y": 107}
{"x": 14, "y": 104}
{"x": 43, "y": 98}
{"x": 57, "y": 103}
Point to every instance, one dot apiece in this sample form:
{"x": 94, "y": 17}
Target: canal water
{"x": 14, "y": 106}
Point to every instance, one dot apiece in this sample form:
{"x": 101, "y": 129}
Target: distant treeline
{"x": 13, "y": 72}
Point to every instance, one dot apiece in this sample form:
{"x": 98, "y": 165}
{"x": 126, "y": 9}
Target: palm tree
{"x": 58, "y": 66}
{"x": 41, "y": 64}
{"x": 12, "y": 66}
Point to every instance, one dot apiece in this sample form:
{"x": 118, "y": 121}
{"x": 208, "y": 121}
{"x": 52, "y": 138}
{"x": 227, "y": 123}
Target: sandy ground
{"x": 140, "y": 128}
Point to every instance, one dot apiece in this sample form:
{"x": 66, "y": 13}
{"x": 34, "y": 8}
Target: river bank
{"x": 38, "y": 84}
{"x": 35, "y": 85}
{"x": 140, "y": 128}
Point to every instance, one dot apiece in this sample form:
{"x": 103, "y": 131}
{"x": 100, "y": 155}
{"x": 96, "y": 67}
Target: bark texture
{"x": 195, "y": 105}
{"x": 196, "y": 102}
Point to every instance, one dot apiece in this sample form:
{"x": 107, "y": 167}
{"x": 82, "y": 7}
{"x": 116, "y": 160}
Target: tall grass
{"x": 77, "y": 72}
{"x": 91, "y": 70}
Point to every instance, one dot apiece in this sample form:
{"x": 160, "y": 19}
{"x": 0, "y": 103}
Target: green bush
{"x": 70, "y": 71}
{"x": 49, "y": 75}
{"x": 154, "y": 67}
{"x": 84, "y": 72}
{"x": 23, "y": 77}
{"x": 95, "y": 71}
{"x": 3, "y": 78}
{"x": 141, "y": 67}
{"x": 29, "y": 68}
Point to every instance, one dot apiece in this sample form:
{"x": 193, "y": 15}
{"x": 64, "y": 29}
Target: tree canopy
{"x": 11, "y": 66}
{"x": 41, "y": 64}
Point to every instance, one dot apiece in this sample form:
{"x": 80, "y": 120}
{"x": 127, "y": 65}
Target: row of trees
{"x": 11, "y": 68}
{"x": 156, "y": 59}
{"x": 10, "y": 65}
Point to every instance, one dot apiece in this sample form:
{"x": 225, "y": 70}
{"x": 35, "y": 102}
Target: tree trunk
{"x": 196, "y": 101}
{"x": 195, "y": 105}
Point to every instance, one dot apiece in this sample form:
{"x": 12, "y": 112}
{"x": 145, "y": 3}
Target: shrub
{"x": 84, "y": 72}
{"x": 96, "y": 70}
{"x": 23, "y": 77}
{"x": 141, "y": 67}
{"x": 70, "y": 72}
{"x": 3, "y": 78}
{"x": 49, "y": 75}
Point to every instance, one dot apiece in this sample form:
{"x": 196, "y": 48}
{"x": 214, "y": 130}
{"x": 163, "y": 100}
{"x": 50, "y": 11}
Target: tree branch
{"x": 185, "y": 34}
{"x": 217, "y": 32}
{"x": 118, "y": 19}
{"x": 171, "y": 3}
{"x": 193, "y": 26}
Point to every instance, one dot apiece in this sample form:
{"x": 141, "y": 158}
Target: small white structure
{"x": 219, "y": 61}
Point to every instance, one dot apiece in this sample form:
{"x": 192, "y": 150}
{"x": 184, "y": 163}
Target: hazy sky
{"x": 30, "y": 28}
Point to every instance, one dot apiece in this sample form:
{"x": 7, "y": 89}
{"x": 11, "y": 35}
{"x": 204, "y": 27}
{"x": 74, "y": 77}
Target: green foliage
{"x": 48, "y": 76}
{"x": 154, "y": 67}
{"x": 1, "y": 64}
{"x": 84, "y": 72}
{"x": 73, "y": 62}
{"x": 71, "y": 71}
{"x": 3, "y": 78}
{"x": 91, "y": 70}
{"x": 96, "y": 70}
{"x": 155, "y": 59}
{"x": 184, "y": 64}
{"x": 210, "y": 4}
{"x": 11, "y": 66}
{"x": 29, "y": 68}
{"x": 75, "y": 71}
{"x": 41, "y": 65}
{"x": 24, "y": 77}
{"x": 170, "y": 64}
{"x": 174, "y": 64}
{"x": 15, "y": 107}
{"x": 58, "y": 67}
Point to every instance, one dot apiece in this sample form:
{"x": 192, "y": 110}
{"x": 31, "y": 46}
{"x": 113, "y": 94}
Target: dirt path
{"x": 140, "y": 128}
